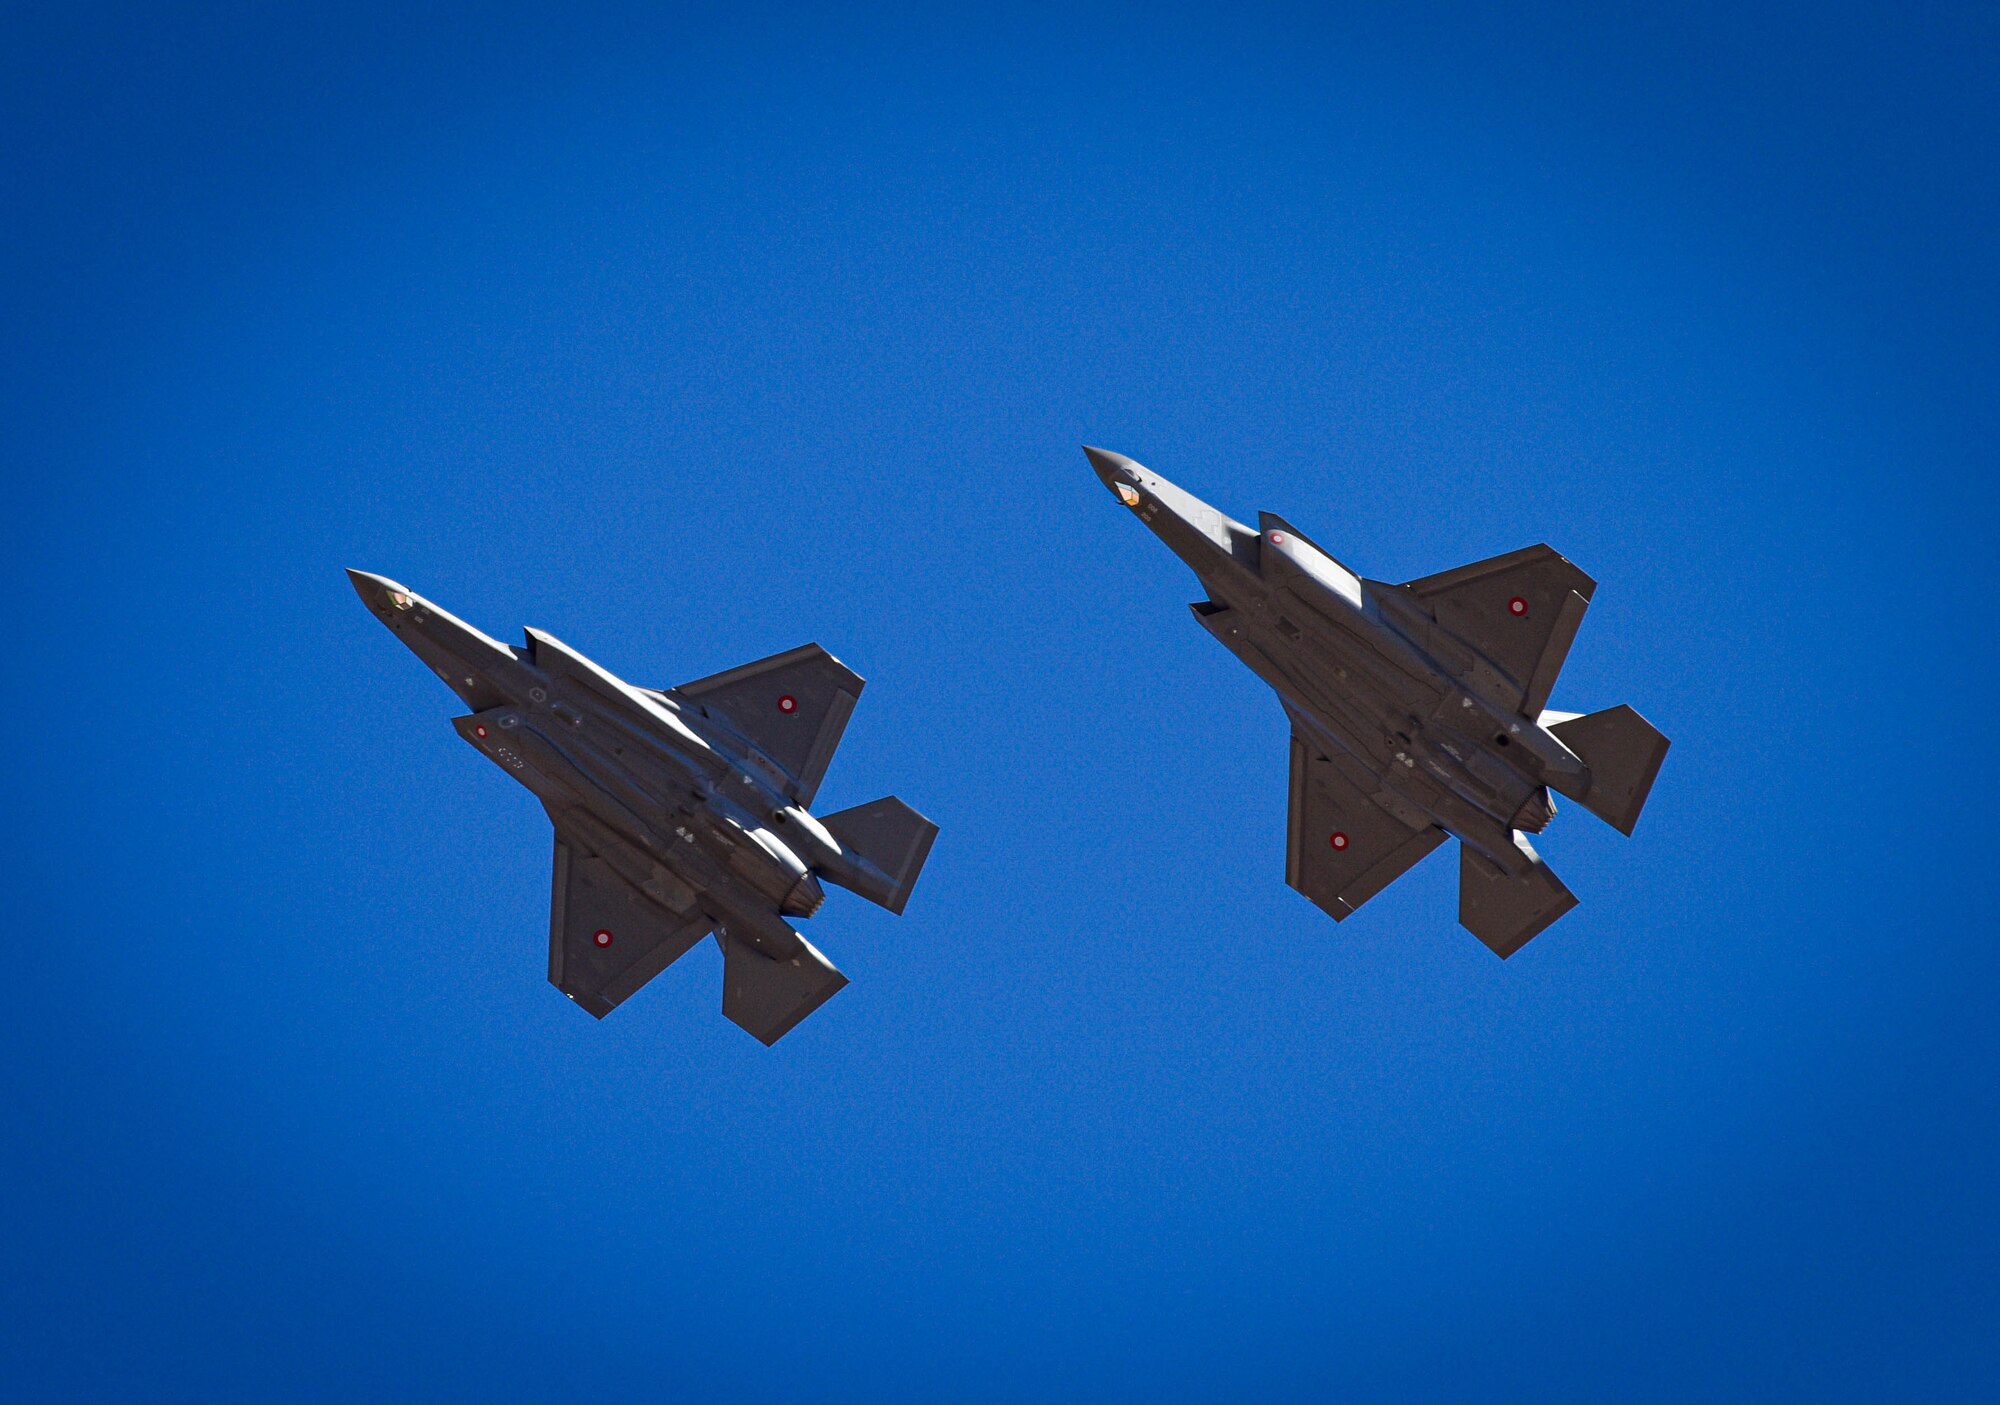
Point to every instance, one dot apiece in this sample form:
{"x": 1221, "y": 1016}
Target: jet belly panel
{"x": 649, "y": 780}
{"x": 1408, "y": 692}
{"x": 1347, "y": 679}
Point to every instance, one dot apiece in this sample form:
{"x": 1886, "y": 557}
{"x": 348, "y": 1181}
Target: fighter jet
{"x": 1418, "y": 710}
{"x": 678, "y": 812}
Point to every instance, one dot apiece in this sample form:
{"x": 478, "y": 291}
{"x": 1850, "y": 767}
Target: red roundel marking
{"x": 1339, "y": 840}
{"x": 1277, "y": 539}
{"x": 788, "y": 703}
{"x": 480, "y": 729}
{"x": 603, "y": 938}
{"x": 1517, "y": 606}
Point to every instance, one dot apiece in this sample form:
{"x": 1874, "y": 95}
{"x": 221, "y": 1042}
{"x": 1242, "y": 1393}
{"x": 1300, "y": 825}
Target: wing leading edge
{"x": 606, "y": 937}
{"x": 792, "y": 706}
{"x": 1521, "y": 611}
{"x": 1342, "y": 848}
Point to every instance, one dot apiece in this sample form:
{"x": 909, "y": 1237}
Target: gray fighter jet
{"x": 1417, "y": 710}
{"x": 678, "y": 812}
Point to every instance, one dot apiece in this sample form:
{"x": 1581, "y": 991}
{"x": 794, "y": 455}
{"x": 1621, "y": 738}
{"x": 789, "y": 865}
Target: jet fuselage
{"x": 703, "y": 806}
{"x": 1361, "y": 670}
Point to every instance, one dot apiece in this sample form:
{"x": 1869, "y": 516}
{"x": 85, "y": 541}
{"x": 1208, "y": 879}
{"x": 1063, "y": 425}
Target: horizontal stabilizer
{"x": 769, "y": 996}
{"x": 1623, "y": 751}
{"x": 1507, "y": 911}
{"x": 893, "y": 838}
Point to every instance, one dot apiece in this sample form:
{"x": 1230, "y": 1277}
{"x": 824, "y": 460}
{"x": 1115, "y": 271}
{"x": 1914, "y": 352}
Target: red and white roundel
{"x": 1339, "y": 840}
{"x": 788, "y": 703}
{"x": 603, "y": 938}
{"x": 1517, "y": 606}
{"x": 480, "y": 729}
{"x": 1277, "y": 539}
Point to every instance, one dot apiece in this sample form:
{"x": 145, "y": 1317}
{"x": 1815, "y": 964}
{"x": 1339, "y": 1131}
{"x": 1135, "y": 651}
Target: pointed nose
{"x": 378, "y": 593}
{"x": 1112, "y": 468}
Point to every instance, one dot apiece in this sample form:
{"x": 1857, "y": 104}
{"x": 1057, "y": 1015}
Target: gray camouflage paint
{"x": 1418, "y": 711}
{"x": 677, "y": 812}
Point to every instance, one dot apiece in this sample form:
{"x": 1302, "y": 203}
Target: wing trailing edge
{"x": 1342, "y": 847}
{"x": 607, "y": 937}
{"x": 1521, "y": 611}
{"x": 792, "y": 706}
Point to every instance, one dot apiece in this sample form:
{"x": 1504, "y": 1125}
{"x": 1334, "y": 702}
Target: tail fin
{"x": 1507, "y": 912}
{"x": 893, "y": 838}
{"x": 1624, "y": 752}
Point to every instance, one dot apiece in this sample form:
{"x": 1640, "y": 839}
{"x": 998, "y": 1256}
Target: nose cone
{"x": 379, "y": 593}
{"x": 1204, "y": 538}
{"x": 459, "y": 654}
{"x": 1112, "y": 468}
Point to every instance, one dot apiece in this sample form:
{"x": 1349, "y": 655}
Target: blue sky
{"x": 694, "y": 336}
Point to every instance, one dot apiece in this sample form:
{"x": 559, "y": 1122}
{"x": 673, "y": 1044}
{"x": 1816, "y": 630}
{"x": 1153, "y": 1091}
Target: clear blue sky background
{"x": 691, "y": 337}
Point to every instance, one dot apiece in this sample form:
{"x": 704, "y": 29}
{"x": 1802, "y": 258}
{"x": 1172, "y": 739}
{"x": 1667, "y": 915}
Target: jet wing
{"x": 792, "y": 706}
{"x": 1342, "y": 847}
{"x": 1520, "y": 610}
{"x": 606, "y": 938}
